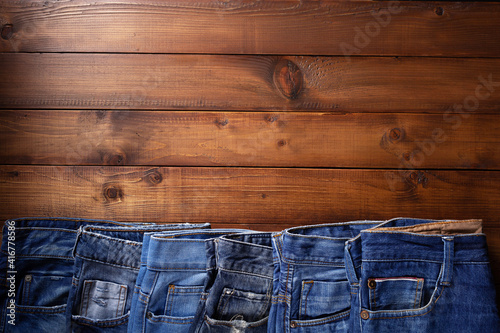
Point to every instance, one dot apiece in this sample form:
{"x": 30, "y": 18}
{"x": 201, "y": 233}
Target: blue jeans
{"x": 402, "y": 275}
{"x": 171, "y": 279}
{"x": 107, "y": 261}
{"x": 311, "y": 292}
{"x": 44, "y": 266}
{"x": 422, "y": 276}
{"x": 237, "y": 295}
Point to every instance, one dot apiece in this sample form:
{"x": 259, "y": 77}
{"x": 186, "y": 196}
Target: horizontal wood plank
{"x": 253, "y": 83}
{"x": 248, "y": 195}
{"x": 177, "y": 138}
{"x": 417, "y": 28}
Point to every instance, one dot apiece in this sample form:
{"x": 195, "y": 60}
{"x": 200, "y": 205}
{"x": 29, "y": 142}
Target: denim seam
{"x": 41, "y": 309}
{"x": 306, "y": 298}
{"x": 376, "y": 231}
{"x": 432, "y": 223}
{"x": 58, "y": 229}
{"x": 173, "y": 322}
{"x": 172, "y": 239}
{"x": 112, "y": 239}
{"x": 246, "y": 273}
{"x": 106, "y": 323}
{"x": 166, "y": 238}
{"x": 107, "y": 263}
{"x": 40, "y": 256}
{"x": 152, "y": 268}
{"x": 322, "y": 321}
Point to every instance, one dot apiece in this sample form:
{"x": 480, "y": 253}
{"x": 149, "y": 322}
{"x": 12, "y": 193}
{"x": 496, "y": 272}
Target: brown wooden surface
{"x": 215, "y": 82}
{"x": 252, "y": 27}
{"x": 246, "y": 195}
{"x": 354, "y": 140}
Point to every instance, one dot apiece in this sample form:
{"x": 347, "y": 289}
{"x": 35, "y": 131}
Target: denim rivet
{"x": 364, "y": 314}
{"x": 149, "y": 315}
{"x": 293, "y": 324}
{"x": 27, "y": 278}
{"x": 372, "y": 284}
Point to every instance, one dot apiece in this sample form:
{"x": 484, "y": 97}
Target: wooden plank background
{"x": 256, "y": 114}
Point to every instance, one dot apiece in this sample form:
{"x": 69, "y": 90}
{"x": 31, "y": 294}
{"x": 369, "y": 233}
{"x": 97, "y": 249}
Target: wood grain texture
{"x": 252, "y": 27}
{"x": 263, "y": 139}
{"x": 246, "y": 195}
{"x": 215, "y": 82}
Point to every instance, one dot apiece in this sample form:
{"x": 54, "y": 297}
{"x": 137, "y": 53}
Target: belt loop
{"x": 349, "y": 265}
{"x": 78, "y": 235}
{"x": 449, "y": 253}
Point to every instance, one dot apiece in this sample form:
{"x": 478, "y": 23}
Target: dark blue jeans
{"x": 171, "y": 280}
{"x": 422, "y": 276}
{"x": 43, "y": 263}
{"x": 107, "y": 262}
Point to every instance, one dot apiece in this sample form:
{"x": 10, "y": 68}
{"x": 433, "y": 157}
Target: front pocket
{"x": 320, "y": 298}
{"x": 247, "y": 306}
{"x": 398, "y": 293}
{"x": 102, "y": 299}
{"x": 47, "y": 291}
{"x": 182, "y": 301}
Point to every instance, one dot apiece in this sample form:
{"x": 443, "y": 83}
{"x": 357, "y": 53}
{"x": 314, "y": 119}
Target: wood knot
{"x": 418, "y": 177}
{"x": 281, "y": 143}
{"x": 7, "y": 31}
{"x": 221, "y": 122}
{"x": 439, "y": 11}
{"x": 112, "y": 193}
{"x": 272, "y": 118}
{"x": 396, "y": 135}
{"x": 288, "y": 78}
{"x": 154, "y": 177}
{"x": 114, "y": 159}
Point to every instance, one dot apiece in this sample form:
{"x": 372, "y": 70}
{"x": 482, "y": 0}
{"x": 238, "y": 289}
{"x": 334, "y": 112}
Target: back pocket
{"x": 102, "y": 299}
{"x": 182, "y": 301}
{"x": 395, "y": 293}
{"x": 320, "y": 298}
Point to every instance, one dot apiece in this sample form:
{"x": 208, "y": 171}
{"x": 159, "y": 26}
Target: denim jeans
{"x": 311, "y": 291}
{"x": 171, "y": 280}
{"x": 237, "y": 295}
{"x": 402, "y": 275}
{"x": 43, "y": 263}
{"x": 107, "y": 262}
{"x": 421, "y": 276}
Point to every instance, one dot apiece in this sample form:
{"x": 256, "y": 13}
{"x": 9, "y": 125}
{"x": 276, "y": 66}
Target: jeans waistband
{"x": 181, "y": 249}
{"x": 120, "y": 246}
{"x": 249, "y": 253}
{"x": 423, "y": 240}
{"x": 318, "y": 244}
{"x": 50, "y": 237}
